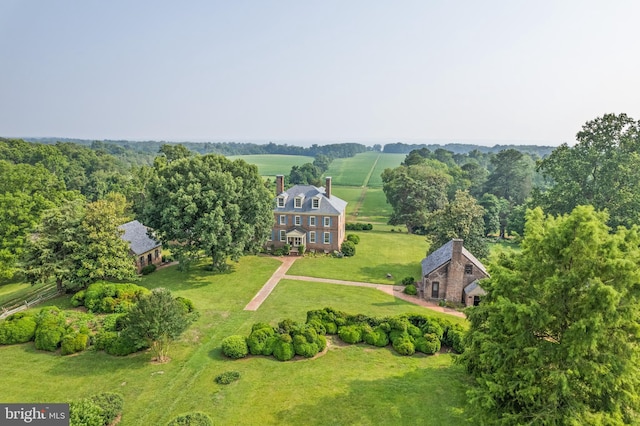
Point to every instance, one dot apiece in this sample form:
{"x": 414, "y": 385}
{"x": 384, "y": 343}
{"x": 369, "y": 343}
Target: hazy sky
{"x": 327, "y": 71}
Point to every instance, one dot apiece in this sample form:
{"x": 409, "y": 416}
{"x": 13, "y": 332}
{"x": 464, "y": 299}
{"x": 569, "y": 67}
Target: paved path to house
{"x": 266, "y": 289}
{"x": 396, "y": 291}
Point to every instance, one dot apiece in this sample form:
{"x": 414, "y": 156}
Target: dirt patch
{"x": 156, "y": 361}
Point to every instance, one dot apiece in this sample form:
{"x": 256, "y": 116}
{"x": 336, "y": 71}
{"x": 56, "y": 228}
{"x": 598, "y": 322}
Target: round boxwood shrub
{"x": 146, "y": 270}
{"x": 260, "y": 341}
{"x": 408, "y": 280}
{"x": 414, "y": 331}
{"x": 283, "y": 348}
{"x": 350, "y": 334}
{"x": 355, "y": 239}
{"x": 74, "y": 342}
{"x": 17, "y": 328}
{"x": 330, "y": 327}
{"x": 411, "y": 290}
{"x": 433, "y": 328}
{"x": 348, "y": 248}
{"x": 453, "y": 337}
{"x": 78, "y": 299}
{"x": 376, "y": 337}
{"x": 86, "y": 412}
{"x": 195, "y": 418}
{"x": 50, "y": 329}
{"x": 404, "y": 346}
{"x": 111, "y": 404}
{"x": 428, "y": 344}
{"x": 188, "y": 304}
{"x": 227, "y": 377}
{"x": 235, "y": 347}
{"x": 303, "y": 347}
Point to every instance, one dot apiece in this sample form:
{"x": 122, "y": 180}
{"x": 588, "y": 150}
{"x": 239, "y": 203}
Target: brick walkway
{"x": 396, "y": 291}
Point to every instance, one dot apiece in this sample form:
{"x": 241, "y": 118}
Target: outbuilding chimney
{"x": 327, "y": 187}
{"x": 279, "y": 184}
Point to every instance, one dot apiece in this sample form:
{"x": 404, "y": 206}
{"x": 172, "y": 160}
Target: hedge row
{"x": 103, "y": 297}
{"x": 100, "y": 409}
{"x": 407, "y": 334}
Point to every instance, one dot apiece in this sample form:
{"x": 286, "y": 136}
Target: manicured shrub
{"x": 433, "y": 328}
{"x": 104, "y": 339}
{"x": 192, "y": 419}
{"x": 74, "y": 342}
{"x": 17, "y": 328}
{"x": 330, "y": 327}
{"x": 283, "y": 348}
{"x": 408, "y": 280}
{"x": 355, "y": 239}
{"x": 411, "y": 290}
{"x": 50, "y": 329}
{"x": 188, "y": 304}
{"x": 428, "y": 344}
{"x": 122, "y": 345}
{"x": 348, "y": 248}
{"x": 350, "y": 334}
{"x": 395, "y": 335}
{"x": 260, "y": 325}
{"x": 454, "y": 338}
{"x": 318, "y": 326}
{"x": 358, "y": 227}
{"x": 303, "y": 347}
{"x": 146, "y": 270}
{"x": 111, "y": 404}
{"x": 414, "y": 331}
{"x": 87, "y": 413}
{"x": 227, "y": 377}
{"x": 107, "y": 298}
{"x": 260, "y": 341}
{"x": 404, "y": 346}
{"x": 113, "y": 322}
{"x": 78, "y": 299}
{"x": 235, "y": 347}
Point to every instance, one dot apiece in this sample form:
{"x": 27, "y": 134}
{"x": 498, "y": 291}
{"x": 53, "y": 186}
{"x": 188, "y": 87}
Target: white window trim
{"x": 315, "y": 203}
{"x": 296, "y": 201}
{"x": 283, "y": 219}
{"x": 314, "y": 221}
{"x": 283, "y": 235}
{"x": 312, "y": 237}
{"x": 326, "y": 221}
{"x": 297, "y": 221}
{"x": 281, "y": 202}
{"x": 326, "y": 237}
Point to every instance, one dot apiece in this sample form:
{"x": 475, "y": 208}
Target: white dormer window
{"x": 281, "y": 202}
{"x": 315, "y": 203}
{"x": 298, "y": 203}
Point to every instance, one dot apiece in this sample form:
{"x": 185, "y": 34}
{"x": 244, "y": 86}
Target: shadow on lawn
{"x": 196, "y": 277}
{"x": 426, "y": 396}
{"x": 398, "y": 271}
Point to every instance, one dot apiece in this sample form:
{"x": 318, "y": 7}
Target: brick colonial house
{"x": 309, "y": 216}
{"x": 145, "y": 249}
{"x": 452, "y": 273}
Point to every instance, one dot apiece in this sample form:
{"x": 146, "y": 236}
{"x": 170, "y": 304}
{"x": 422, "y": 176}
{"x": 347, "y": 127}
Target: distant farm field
{"x": 273, "y": 164}
{"x": 385, "y": 161}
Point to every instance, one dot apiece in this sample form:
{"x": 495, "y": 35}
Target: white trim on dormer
{"x": 281, "y": 200}
{"x": 315, "y": 202}
{"x": 298, "y": 201}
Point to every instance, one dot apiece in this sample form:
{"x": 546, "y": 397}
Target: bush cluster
{"x": 18, "y": 328}
{"x": 348, "y": 248}
{"x": 411, "y": 290}
{"x": 355, "y": 239}
{"x": 100, "y": 409}
{"x": 192, "y": 419}
{"x": 51, "y": 327}
{"x": 102, "y": 297}
{"x": 227, "y": 377}
{"x": 235, "y": 347}
{"x": 146, "y": 270}
{"x": 408, "y": 280}
{"x": 358, "y": 227}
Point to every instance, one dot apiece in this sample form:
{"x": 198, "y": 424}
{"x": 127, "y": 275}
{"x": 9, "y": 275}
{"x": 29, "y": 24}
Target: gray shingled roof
{"x": 443, "y": 255}
{"x": 472, "y": 286}
{"x": 136, "y": 234}
{"x": 333, "y": 205}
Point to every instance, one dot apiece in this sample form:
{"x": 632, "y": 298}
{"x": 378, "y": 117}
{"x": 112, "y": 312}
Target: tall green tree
{"x": 414, "y": 192}
{"x": 555, "y": 339}
{"x": 209, "y": 204}
{"x": 461, "y": 218}
{"x": 511, "y": 177}
{"x": 601, "y": 169}
{"x": 156, "y": 320}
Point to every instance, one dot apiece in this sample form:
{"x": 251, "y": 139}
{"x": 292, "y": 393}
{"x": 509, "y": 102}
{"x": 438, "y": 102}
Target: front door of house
{"x": 435, "y": 289}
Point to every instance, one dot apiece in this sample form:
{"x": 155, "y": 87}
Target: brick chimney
{"x": 279, "y": 184}
{"x": 456, "y": 250}
{"x": 327, "y": 187}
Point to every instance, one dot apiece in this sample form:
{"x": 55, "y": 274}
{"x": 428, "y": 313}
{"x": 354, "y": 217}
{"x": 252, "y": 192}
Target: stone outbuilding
{"x": 146, "y": 250}
{"x": 452, "y": 273}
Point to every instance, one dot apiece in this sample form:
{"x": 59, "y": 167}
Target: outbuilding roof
{"x": 136, "y": 234}
{"x": 443, "y": 255}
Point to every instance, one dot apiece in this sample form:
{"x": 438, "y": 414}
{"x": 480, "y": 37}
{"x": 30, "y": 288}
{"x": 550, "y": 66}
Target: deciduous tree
{"x": 555, "y": 339}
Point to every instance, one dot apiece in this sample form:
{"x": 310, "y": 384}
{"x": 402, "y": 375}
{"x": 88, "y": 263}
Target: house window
{"x": 141, "y": 260}
{"x": 327, "y": 237}
{"x": 283, "y": 219}
{"x": 315, "y": 203}
{"x": 283, "y": 235}
{"x": 312, "y": 236}
{"x": 327, "y": 221}
{"x": 297, "y": 221}
{"x": 312, "y": 221}
{"x": 435, "y": 289}
{"x": 468, "y": 269}
{"x": 298, "y": 203}
{"x": 281, "y": 202}
{"x": 157, "y": 254}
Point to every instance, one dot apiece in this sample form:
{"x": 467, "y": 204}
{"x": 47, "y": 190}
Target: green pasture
{"x": 274, "y": 164}
{"x": 353, "y": 171}
{"x": 385, "y": 161}
{"x": 378, "y": 254}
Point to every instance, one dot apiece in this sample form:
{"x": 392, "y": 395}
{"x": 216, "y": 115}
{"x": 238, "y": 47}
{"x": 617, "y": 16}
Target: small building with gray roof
{"x": 145, "y": 249}
{"x": 452, "y": 273}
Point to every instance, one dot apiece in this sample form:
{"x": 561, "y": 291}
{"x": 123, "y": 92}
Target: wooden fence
{"x": 7, "y": 310}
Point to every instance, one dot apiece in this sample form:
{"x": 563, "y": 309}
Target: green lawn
{"x": 348, "y": 385}
{"x": 353, "y": 171}
{"x": 274, "y": 164}
{"x": 378, "y": 254}
{"x": 386, "y": 161}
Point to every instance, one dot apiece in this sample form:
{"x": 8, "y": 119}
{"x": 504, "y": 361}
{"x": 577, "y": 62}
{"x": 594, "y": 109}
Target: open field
{"x": 385, "y": 161}
{"x": 273, "y": 164}
{"x": 348, "y": 385}
{"x": 353, "y": 171}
